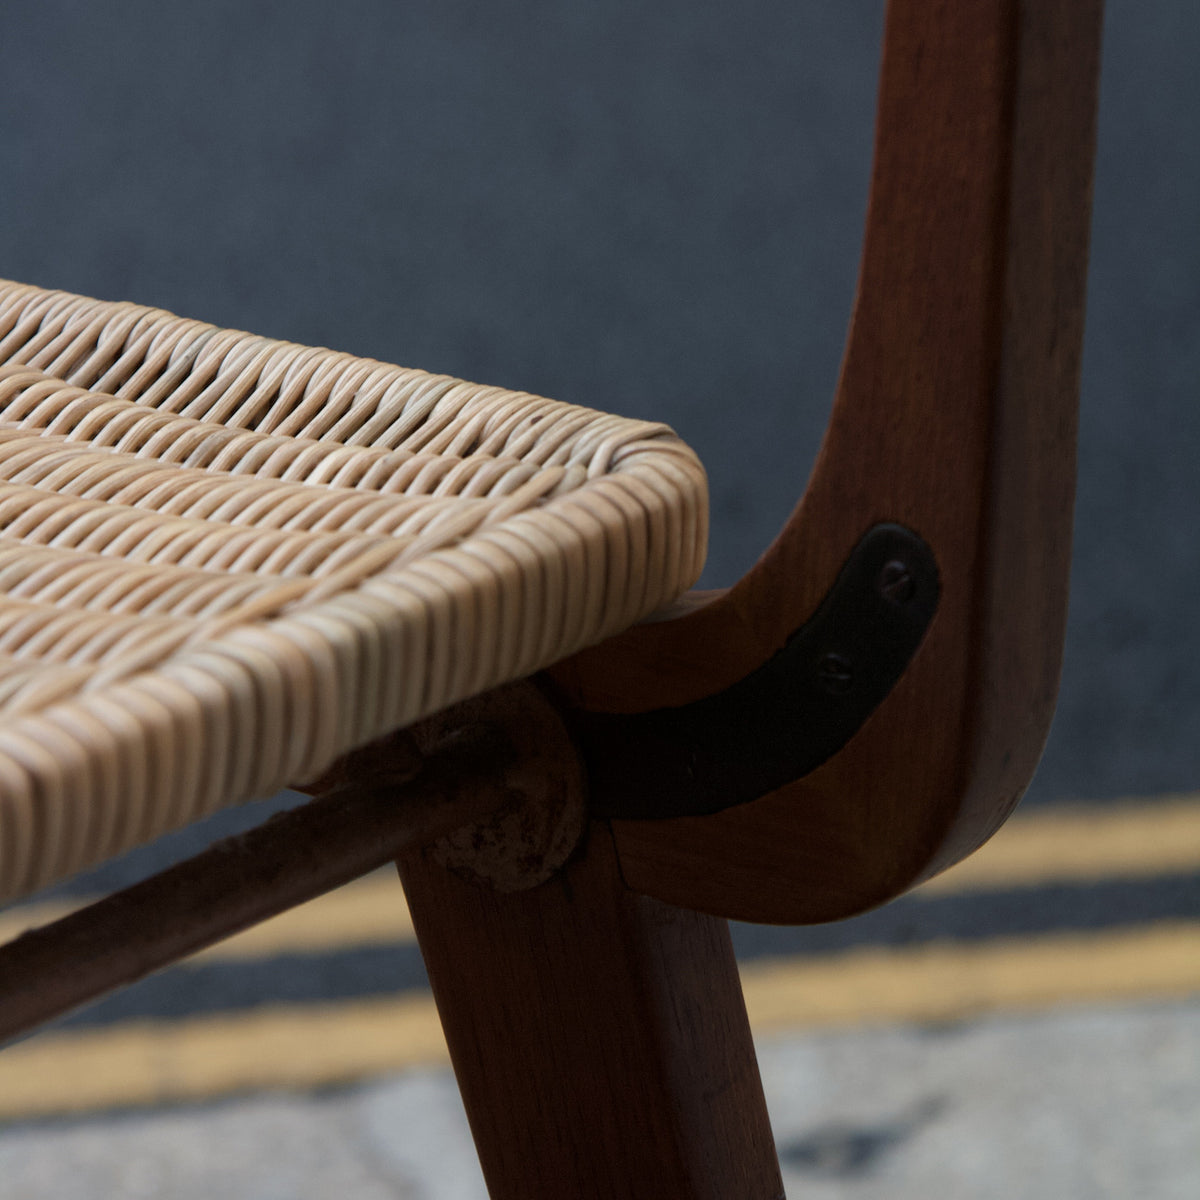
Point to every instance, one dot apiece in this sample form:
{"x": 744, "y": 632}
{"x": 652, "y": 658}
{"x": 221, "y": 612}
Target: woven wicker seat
{"x": 226, "y": 560}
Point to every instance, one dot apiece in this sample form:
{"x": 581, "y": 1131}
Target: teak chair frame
{"x": 595, "y": 1020}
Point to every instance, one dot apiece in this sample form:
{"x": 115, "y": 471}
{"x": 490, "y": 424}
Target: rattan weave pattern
{"x": 225, "y": 560}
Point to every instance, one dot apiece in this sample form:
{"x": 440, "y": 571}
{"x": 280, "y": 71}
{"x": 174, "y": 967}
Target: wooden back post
{"x": 597, "y": 1030}
{"x": 954, "y": 417}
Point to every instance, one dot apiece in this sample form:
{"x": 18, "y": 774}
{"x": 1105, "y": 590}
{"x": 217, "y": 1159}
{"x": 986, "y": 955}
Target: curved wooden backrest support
{"x": 954, "y": 417}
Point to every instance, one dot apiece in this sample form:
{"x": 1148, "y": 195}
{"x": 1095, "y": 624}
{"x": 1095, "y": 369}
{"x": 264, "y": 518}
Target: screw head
{"x": 895, "y": 582}
{"x": 836, "y": 674}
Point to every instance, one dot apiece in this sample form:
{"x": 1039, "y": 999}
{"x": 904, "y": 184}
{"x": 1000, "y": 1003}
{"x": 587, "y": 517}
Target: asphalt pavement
{"x": 1024, "y": 1024}
{"x": 652, "y": 209}
{"x": 1097, "y": 1103}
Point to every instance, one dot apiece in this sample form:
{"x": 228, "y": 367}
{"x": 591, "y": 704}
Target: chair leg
{"x": 599, "y": 1037}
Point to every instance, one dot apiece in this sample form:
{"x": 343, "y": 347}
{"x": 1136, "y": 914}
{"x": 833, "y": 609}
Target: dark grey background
{"x": 649, "y": 208}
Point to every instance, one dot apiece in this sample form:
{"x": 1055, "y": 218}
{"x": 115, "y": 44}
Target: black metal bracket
{"x": 787, "y": 717}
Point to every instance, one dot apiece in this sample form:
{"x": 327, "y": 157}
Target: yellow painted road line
{"x": 146, "y": 1063}
{"x": 15, "y": 921}
{"x": 1065, "y": 844}
{"x": 369, "y": 912}
{"x": 1083, "y": 843}
{"x": 941, "y": 981}
{"x": 149, "y": 1063}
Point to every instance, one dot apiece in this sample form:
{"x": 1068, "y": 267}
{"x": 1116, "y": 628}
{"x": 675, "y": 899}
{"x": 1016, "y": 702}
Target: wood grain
{"x": 954, "y": 416}
{"x": 599, "y": 1038}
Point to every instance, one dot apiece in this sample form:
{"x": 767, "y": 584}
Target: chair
{"x": 451, "y": 612}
